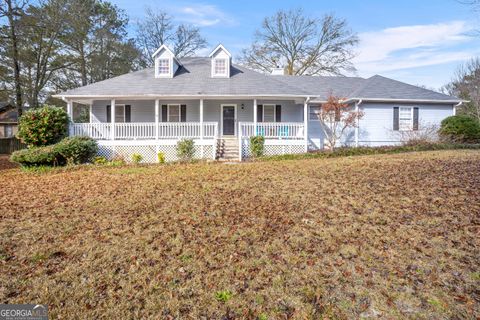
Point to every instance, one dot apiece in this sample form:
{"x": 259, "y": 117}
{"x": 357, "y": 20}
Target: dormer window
{"x": 163, "y": 66}
{"x": 220, "y": 68}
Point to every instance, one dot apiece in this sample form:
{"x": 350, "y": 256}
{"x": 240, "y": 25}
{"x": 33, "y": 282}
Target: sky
{"x": 421, "y": 42}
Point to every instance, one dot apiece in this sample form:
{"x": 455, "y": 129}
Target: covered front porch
{"x": 162, "y": 122}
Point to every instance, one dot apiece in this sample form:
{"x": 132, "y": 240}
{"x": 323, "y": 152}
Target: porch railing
{"x": 273, "y": 130}
{"x": 145, "y": 130}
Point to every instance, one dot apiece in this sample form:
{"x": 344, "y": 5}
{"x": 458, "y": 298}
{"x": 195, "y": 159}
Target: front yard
{"x": 387, "y": 236}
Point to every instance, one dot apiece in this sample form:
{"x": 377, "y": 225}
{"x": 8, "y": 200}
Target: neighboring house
{"x": 8, "y": 120}
{"x": 220, "y": 105}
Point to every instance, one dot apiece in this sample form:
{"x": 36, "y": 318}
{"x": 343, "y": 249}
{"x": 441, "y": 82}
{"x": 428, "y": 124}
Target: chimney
{"x": 278, "y": 71}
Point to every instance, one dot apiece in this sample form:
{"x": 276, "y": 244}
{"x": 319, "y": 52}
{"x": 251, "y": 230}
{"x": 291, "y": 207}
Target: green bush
{"x": 257, "y": 146}
{"x": 43, "y": 126}
{"x": 186, "y": 149}
{"x": 73, "y": 150}
{"x": 161, "y": 157}
{"x": 100, "y": 160}
{"x": 460, "y": 128}
{"x": 137, "y": 158}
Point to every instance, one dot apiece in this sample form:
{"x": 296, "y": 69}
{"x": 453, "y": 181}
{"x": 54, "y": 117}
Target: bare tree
{"x": 13, "y": 10}
{"x": 466, "y": 85}
{"x": 158, "y": 28}
{"x": 302, "y": 44}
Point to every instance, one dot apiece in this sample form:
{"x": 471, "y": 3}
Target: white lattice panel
{"x": 148, "y": 153}
{"x": 273, "y": 149}
{"x": 105, "y": 151}
{"x": 170, "y": 152}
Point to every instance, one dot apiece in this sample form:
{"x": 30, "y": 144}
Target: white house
{"x": 220, "y": 105}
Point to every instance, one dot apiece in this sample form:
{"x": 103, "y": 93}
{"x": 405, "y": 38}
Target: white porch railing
{"x": 273, "y": 130}
{"x": 145, "y": 130}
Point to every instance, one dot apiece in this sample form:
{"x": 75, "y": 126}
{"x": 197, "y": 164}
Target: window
{"x": 405, "y": 119}
{"x": 120, "y": 113}
{"x": 220, "y": 67}
{"x": 163, "y": 66}
{"x": 8, "y": 131}
{"x": 268, "y": 113}
{"x": 314, "y": 113}
{"x": 174, "y": 113}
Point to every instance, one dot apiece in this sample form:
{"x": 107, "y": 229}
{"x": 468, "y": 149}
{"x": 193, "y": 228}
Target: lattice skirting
{"x": 150, "y": 152}
{"x": 277, "y": 148}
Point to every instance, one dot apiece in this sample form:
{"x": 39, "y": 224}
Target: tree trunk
{"x": 16, "y": 64}
{"x": 83, "y": 66}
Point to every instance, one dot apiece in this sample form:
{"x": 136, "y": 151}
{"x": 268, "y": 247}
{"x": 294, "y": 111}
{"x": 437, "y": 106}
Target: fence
{"x": 9, "y": 145}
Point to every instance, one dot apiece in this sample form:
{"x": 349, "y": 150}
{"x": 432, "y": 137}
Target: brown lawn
{"x": 393, "y": 236}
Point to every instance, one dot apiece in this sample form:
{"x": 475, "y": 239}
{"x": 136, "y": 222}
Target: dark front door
{"x": 228, "y": 114}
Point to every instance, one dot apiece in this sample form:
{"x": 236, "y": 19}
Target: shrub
{"x": 460, "y": 128}
{"x": 73, "y": 150}
{"x": 161, "y": 157}
{"x": 100, "y": 160}
{"x": 43, "y": 126}
{"x": 223, "y": 296}
{"x": 257, "y": 146}
{"x": 137, "y": 158}
{"x": 186, "y": 149}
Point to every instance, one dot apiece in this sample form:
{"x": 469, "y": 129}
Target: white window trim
{"x": 274, "y": 111}
{"x": 411, "y": 117}
{"x": 170, "y": 68}
{"x": 310, "y": 113}
{"x": 179, "y": 111}
{"x": 124, "y": 113}
{"x": 222, "y": 74}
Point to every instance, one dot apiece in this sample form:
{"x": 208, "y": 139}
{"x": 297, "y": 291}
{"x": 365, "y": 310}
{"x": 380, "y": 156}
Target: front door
{"x": 228, "y": 120}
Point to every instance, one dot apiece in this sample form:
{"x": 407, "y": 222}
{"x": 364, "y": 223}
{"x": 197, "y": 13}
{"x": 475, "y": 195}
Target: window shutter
{"x": 164, "y": 113}
{"x": 278, "y": 113}
{"x": 128, "y": 113}
{"x": 396, "y": 118}
{"x": 109, "y": 114}
{"x": 415, "y": 118}
{"x": 183, "y": 113}
{"x": 260, "y": 113}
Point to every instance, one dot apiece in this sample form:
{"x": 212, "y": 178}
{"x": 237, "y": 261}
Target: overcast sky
{"x": 416, "y": 41}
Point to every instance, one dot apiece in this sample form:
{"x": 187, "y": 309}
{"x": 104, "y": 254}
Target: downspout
{"x": 305, "y": 122}
{"x": 455, "y": 107}
{"x": 357, "y": 129}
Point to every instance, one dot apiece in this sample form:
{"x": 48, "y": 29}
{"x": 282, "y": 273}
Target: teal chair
{"x": 283, "y": 131}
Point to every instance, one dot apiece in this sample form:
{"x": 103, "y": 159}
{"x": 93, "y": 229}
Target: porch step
{"x": 227, "y": 149}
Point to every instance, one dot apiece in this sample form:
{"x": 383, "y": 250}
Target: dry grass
{"x": 376, "y": 236}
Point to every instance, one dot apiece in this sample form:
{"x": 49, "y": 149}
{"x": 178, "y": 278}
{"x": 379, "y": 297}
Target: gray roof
{"x": 193, "y": 79}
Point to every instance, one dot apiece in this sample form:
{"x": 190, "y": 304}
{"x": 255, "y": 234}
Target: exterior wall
{"x": 12, "y": 128}
{"x": 376, "y": 126}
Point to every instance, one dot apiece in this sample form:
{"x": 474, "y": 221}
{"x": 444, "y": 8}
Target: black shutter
{"x": 278, "y": 113}
{"x": 260, "y": 113}
{"x": 128, "y": 113}
{"x": 183, "y": 113}
{"x": 415, "y": 118}
{"x": 396, "y": 118}
{"x": 109, "y": 114}
{"x": 164, "y": 113}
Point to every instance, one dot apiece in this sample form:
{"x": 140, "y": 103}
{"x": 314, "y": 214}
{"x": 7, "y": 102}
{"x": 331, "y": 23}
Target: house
{"x": 220, "y": 105}
{"x": 8, "y": 120}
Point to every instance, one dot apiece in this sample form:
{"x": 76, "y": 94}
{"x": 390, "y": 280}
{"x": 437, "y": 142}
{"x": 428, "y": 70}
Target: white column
{"x": 201, "y": 128}
{"x": 305, "y": 123}
{"x": 357, "y": 124}
{"x": 112, "y": 116}
{"x": 70, "y": 115}
{"x": 255, "y": 116}
{"x": 90, "y": 113}
{"x": 157, "y": 118}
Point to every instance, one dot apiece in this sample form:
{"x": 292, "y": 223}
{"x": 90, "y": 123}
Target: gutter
{"x": 456, "y": 106}
{"x": 403, "y": 100}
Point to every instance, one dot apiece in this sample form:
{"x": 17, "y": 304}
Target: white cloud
{"x": 413, "y": 46}
{"x": 203, "y": 15}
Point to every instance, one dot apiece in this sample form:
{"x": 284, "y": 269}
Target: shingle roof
{"x": 193, "y": 79}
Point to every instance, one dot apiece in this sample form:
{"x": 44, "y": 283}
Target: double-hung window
{"x": 220, "y": 67}
{"x": 405, "y": 118}
{"x": 163, "y": 66}
{"x": 314, "y": 113}
{"x": 268, "y": 113}
{"x": 174, "y": 113}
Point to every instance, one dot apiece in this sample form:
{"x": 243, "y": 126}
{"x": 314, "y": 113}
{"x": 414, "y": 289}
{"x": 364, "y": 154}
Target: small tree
{"x": 43, "y": 126}
{"x": 337, "y": 117}
{"x": 186, "y": 150}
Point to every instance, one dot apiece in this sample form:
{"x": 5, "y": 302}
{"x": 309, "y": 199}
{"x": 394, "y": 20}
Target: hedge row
{"x": 74, "y": 150}
{"x": 360, "y": 151}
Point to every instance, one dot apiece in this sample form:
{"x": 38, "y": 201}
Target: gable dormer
{"x": 221, "y": 61}
{"x": 165, "y": 62}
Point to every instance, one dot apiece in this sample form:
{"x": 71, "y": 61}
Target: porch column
{"x": 305, "y": 123}
{"x": 70, "y": 115}
{"x": 201, "y": 128}
{"x": 90, "y": 112}
{"x": 112, "y": 116}
{"x": 356, "y": 125}
{"x": 255, "y": 116}
{"x": 157, "y": 118}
